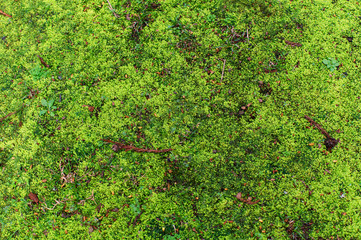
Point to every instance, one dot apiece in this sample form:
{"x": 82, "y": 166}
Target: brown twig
{"x": 2, "y": 119}
{"x": 136, "y": 219}
{"x": 43, "y": 62}
{"x": 323, "y": 131}
{"x": 128, "y": 147}
{"x": 111, "y": 9}
{"x": 54, "y": 205}
{"x": 293, "y": 44}
{"x": 5, "y": 14}
{"x": 92, "y": 197}
{"x": 329, "y": 142}
{"x": 298, "y": 62}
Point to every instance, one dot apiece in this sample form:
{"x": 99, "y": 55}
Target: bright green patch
{"x": 224, "y": 84}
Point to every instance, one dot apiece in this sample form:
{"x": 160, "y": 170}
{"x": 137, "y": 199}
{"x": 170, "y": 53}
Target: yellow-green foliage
{"x": 154, "y": 77}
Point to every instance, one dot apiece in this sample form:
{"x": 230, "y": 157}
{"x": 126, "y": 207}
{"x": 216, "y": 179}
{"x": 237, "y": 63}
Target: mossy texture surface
{"x": 224, "y": 84}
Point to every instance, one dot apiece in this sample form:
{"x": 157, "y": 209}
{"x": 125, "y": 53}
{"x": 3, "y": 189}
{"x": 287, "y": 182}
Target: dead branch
{"x": 57, "y": 203}
{"x": 5, "y": 14}
{"x": 128, "y": 147}
{"x": 111, "y": 9}
{"x": 329, "y": 142}
{"x": 293, "y": 44}
{"x": 43, "y": 62}
{"x": 323, "y": 131}
{"x": 92, "y": 197}
{"x": 2, "y": 119}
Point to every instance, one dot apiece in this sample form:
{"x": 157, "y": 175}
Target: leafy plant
{"x": 38, "y": 73}
{"x": 135, "y": 207}
{"x": 49, "y": 105}
{"x": 331, "y": 63}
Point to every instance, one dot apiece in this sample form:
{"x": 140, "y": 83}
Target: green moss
{"x": 153, "y": 78}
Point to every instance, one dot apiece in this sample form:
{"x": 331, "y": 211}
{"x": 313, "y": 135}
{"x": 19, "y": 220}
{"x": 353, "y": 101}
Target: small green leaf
{"x": 50, "y": 103}
{"x": 52, "y": 114}
{"x": 53, "y": 107}
{"x": 100, "y": 143}
{"x": 42, "y": 112}
{"x": 44, "y": 102}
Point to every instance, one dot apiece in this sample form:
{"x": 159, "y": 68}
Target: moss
{"x": 224, "y": 84}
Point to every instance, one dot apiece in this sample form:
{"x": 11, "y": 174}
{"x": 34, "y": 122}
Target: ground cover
{"x": 177, "y": 120}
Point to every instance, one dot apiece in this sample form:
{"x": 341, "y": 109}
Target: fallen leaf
{"x": 34, "y": 197}
{"x": 115, "y": 148}
{"x": 90, "y": 108}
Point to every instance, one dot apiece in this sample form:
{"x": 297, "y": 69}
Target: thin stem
{"x": 224, "y": 64}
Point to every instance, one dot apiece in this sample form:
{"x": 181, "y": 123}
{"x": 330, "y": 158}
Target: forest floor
{"x": 176, "y": 120}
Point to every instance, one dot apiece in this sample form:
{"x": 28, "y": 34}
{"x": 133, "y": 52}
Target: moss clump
{"x": 225, "y": 85}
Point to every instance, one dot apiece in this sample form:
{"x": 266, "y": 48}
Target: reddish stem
{"x": 128, "y": 147}
{"x": 5, "y": 14}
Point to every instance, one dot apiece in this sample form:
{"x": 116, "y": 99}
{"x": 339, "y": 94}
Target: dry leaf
{"x": 34, "y": 197}
{"x": 90, "y": 108}
{"x": 239, "y": 196}
{"x": 115, "y": 148}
